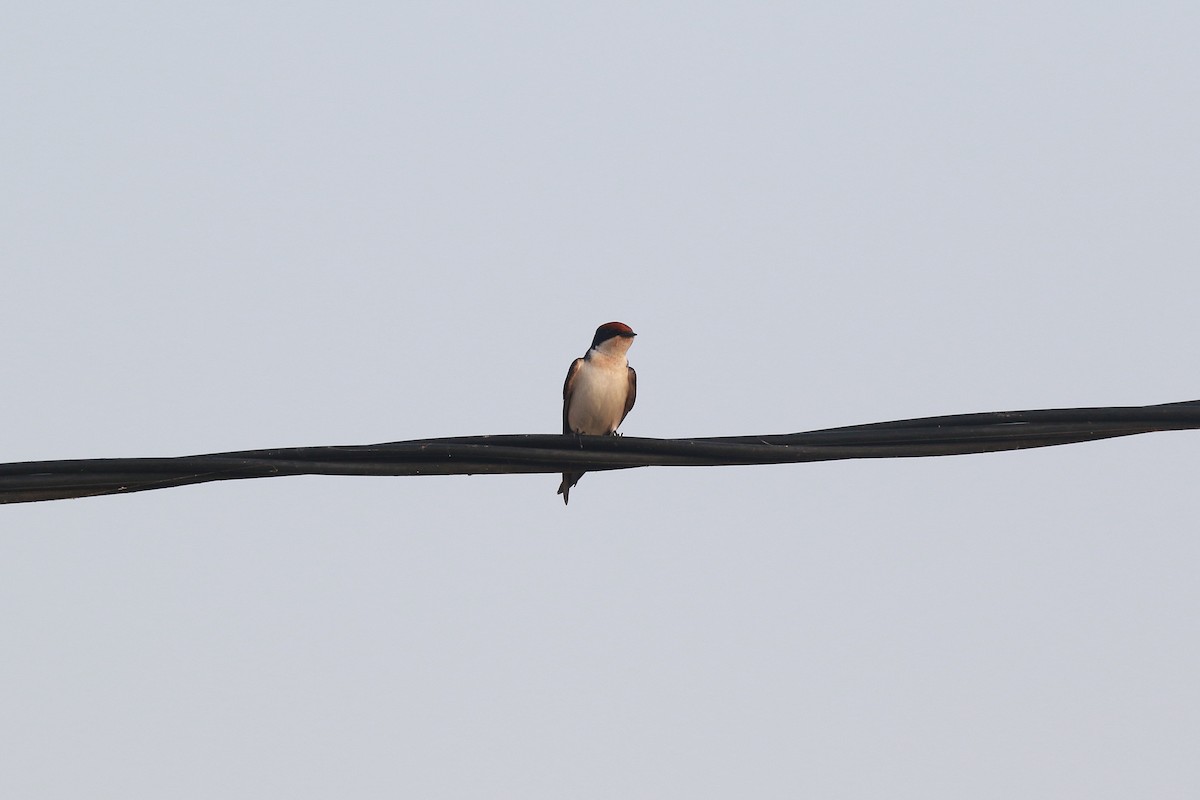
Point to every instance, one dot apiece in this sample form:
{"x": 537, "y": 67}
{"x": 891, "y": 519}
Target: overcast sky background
{"x": 239, "y": 225}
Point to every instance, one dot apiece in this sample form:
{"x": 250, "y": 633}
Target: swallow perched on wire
{"x": 600, "y": 389}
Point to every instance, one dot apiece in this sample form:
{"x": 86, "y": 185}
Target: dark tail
{"x": 569, "y": 480}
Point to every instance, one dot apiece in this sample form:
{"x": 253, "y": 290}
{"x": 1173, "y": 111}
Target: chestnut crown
{"x": 610, "y": 329}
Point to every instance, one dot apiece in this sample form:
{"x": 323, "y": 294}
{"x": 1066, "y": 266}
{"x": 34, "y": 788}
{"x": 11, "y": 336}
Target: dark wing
{"x": 571, "y": 373}
{"x": 630, "y": 398}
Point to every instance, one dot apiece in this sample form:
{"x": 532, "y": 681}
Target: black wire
{"x": 531, "y": 453}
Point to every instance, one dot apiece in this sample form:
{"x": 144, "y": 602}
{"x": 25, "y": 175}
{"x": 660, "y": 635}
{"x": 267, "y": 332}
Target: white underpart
{"x": 598, "y": 394}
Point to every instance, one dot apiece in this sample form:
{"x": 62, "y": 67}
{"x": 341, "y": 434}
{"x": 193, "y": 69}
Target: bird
{"x": 599, "y": 391}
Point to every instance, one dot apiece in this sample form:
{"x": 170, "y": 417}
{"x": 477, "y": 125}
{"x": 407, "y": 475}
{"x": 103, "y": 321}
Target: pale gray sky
{"x": 239, "y": 225}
